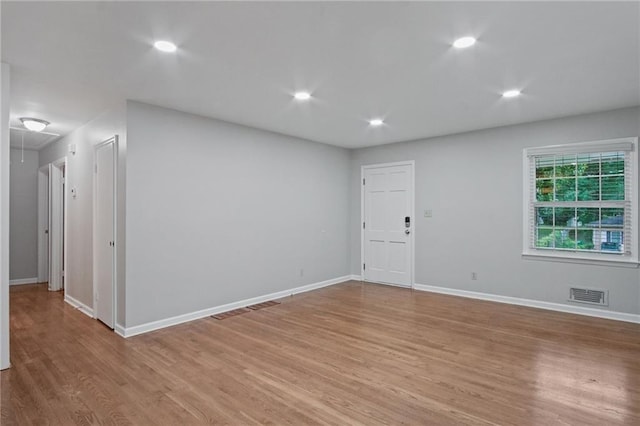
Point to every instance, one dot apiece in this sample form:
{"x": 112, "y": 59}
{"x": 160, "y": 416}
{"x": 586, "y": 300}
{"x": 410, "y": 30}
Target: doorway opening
{"x": 52, "y": 224}
{"x": 388, "y": 223}
{"x": 104, "y": 231}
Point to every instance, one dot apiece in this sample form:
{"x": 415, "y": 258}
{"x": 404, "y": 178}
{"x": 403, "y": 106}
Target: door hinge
{"x": 363, "y": 225}
{"x": 363, "y": 181}
{"x": 364, "y": 266}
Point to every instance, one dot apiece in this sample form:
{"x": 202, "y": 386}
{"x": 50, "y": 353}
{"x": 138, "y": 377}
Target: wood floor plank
{"x": 354, "y": 353}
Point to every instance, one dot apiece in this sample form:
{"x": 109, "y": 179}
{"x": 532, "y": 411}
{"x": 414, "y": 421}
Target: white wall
{"x": 23, "y": 228}
{"x": 218, "y": 213}
{"x": 4, "y": 214}
{"x": 79, "y": 175}
{"x": 473, "y": 184}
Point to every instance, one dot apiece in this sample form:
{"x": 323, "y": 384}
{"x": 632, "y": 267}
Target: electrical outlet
{"x": 474, "y": 276}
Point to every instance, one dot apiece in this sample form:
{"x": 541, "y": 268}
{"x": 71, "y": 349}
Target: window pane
{"x": 612, "y": 163}
{"x": 585, "y": 239}
{"x": 566, "y": 189}
{"x": 564, "y": 239}
{"x": 613, "y": 187}
{"x": 545, "y": 238}
{"x": 588, "y": 165}
{"x": 612, "y": 218}
{"x": 565, "y": 217}
{"x": 544, "y": 167}
{"x": 566, "y": 166}
{"x": 589, "y": 189}
{"x": 611, "y": 241}
{"x": 588, "y": 217}
{"x": 583, "y": 179}
{"x": 544, "y": 216}
{"x": 544, "y": 189}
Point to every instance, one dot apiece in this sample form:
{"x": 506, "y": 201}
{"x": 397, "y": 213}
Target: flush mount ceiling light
{"x": 165, "y": 46}
{"x": 463, "y": 42}
{"x": 511, "y": 93}
{"x": 376, "y": 122}
{"x": 34, "y": 124}
{"x": 302, "y": 96}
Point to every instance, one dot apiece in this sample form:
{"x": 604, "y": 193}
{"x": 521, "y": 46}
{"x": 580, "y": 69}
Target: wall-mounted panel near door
{"x": 104, "y": 226}
{"x": 387, "y": 223}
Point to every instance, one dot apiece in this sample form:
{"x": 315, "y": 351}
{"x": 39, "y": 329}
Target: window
{"x": 581, "y": 201}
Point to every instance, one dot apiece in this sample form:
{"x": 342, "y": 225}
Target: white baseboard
{"x": 119, "y": 330}
{"x": 24, "y": 281}
{"x": 355, "y": 277}
{"x": 580, "y": 310}
{"x": 179, "y": 319}
{"x": 79, "y": 305}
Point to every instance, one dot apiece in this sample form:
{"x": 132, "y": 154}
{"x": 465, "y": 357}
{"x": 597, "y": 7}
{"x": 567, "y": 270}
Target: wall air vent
{"x": 591, "y": 296}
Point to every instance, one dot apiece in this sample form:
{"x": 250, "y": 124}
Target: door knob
{"x": 406, "y": 231}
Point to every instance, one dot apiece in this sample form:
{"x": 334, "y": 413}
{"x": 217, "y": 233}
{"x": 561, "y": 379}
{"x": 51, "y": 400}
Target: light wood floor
{"x": 348, "y": 354}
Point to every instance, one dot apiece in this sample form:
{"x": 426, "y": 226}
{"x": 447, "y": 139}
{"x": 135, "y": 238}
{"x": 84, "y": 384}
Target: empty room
{"x": 301, "y": 213}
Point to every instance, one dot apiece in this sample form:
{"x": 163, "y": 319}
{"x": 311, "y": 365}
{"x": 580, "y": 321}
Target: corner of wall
{"x": 80, "y": 176}
{"x": 5, "y": 80}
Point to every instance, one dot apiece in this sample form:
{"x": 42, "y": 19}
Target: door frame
{"x": 114, "y": 141}
{"x": 54, "y": 217}
{"x": 412, "y": 211}
{"x": 43, "y": 224}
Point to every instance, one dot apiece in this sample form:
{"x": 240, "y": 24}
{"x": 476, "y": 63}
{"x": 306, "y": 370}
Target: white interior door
{"x": 56, "y": 227}
{"x": 388, "y": 224}
{"x": 104, "y": 245}
{"x": 43, "y": 224}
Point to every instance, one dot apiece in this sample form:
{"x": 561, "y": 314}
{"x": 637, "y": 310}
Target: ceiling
{"x": 241, "y": 62}
{"x": 30, "y": 140}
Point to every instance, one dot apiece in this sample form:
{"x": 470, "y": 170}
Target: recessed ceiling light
{"x": 34, "y": 124}
{"x": 302, "y": 96}
{"x": 511, "y": 93}
{"x": 165, "y": 46}
{"x": 376, "y": 122}
{"x": 463, "y": 42}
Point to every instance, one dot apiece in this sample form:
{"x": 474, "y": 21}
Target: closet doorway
{"x": 52, "y": 224}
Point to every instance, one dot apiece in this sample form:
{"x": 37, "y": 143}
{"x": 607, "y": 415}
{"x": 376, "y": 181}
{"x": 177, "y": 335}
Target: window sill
{"x": 623, "y": 262}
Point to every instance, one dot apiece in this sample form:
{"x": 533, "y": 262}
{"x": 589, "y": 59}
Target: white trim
{"x": 591, "y": 312}
{"x": 179, "y": 319}
{"x": 355, "y": 277}
{"x": 5, "y": 330}
{"x": 526, "y": 187}
{"x": 553, "y": 256}
{"x": 364, "y": 167}
{"x": 120, "y": 330}
{"x": 362, "y": 240}
{"x": 605, "y": 145}
{"x": 393, "y": 164}
{"x": 79, "y": 305}
{"x": 22, "y": 281}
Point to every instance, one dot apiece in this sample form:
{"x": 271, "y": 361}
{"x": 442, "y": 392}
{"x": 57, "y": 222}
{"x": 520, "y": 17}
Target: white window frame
{"x": 611, "y": 259}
